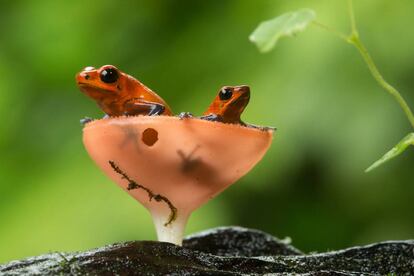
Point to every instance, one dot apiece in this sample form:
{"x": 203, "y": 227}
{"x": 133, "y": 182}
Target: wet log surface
{"x": 221, "y": 251}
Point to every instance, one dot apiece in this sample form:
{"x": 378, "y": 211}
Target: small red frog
{"x": 228, "y": 105}
{"x": 119, "y": 94}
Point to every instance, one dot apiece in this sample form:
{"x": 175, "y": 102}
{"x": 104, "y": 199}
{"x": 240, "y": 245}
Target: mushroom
{"x": 172, "y": 165}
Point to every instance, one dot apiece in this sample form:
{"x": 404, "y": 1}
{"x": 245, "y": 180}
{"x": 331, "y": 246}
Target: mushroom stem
{"x": 172, "y": 232}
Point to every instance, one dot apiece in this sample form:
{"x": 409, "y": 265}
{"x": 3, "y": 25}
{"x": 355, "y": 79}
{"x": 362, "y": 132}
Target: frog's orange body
{"x": 119, "y": 94}
{"x": 229, "y": 104}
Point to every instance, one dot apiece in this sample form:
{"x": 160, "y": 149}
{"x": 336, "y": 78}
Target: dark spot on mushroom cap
{"x": 150, "y": 137}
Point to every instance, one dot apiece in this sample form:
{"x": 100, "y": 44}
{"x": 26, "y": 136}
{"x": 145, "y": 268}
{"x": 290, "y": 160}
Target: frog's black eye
{"x": 109, "y": 75}
{"x": 225, "y": 93}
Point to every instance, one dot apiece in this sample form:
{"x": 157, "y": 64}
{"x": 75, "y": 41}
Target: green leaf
{"x": 398, "y": 149}
{"x": 268, "y": 32}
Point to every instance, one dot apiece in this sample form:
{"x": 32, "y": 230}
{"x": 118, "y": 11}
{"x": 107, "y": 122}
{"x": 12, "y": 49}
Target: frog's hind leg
{"x": 156, "y": 109}
{"x": 140, "y": 107}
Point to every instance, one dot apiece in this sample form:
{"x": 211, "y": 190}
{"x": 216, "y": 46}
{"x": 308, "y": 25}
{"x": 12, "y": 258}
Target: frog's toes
{"x": 212, "y": 117}
{"x": 184, "y": 115}
{"x": 85, "y": 120}
{"x": 262, "y": 128}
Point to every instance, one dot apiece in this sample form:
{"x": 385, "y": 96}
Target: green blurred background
{"x": 333, "y": 120}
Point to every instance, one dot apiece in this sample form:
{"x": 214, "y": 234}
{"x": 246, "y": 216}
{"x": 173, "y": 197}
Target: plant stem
{"x": 354, "y": 40}
{"x": 354, "y": 30}
{"x": 331, "y": 30}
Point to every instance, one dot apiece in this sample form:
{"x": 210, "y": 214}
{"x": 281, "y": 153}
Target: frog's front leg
{"x": 141, "y": 107}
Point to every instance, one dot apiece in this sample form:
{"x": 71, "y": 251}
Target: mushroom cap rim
{"x": 126, "y": 118}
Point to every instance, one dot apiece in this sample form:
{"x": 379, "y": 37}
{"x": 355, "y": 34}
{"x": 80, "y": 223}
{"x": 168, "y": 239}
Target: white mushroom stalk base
{"x": 174, "y": 231}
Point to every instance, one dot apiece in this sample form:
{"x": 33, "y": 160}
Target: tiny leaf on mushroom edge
{"x": 396, "y": 150}
{"x": 268, "y": 32}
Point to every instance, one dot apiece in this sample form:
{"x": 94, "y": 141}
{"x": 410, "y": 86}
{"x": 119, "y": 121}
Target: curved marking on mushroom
{"x": 134, "y": 185}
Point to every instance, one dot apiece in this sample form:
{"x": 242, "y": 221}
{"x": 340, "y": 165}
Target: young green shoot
{"x": 266, "y": 35}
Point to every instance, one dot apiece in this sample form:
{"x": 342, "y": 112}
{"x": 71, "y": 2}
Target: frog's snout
{"x": 85, "y": 74}
{"x": 82, "y": 77}
{"x": 243, "y": 89}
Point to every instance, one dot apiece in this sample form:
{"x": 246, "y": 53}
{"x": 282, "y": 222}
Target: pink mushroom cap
{"x": 175, "y": 164}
